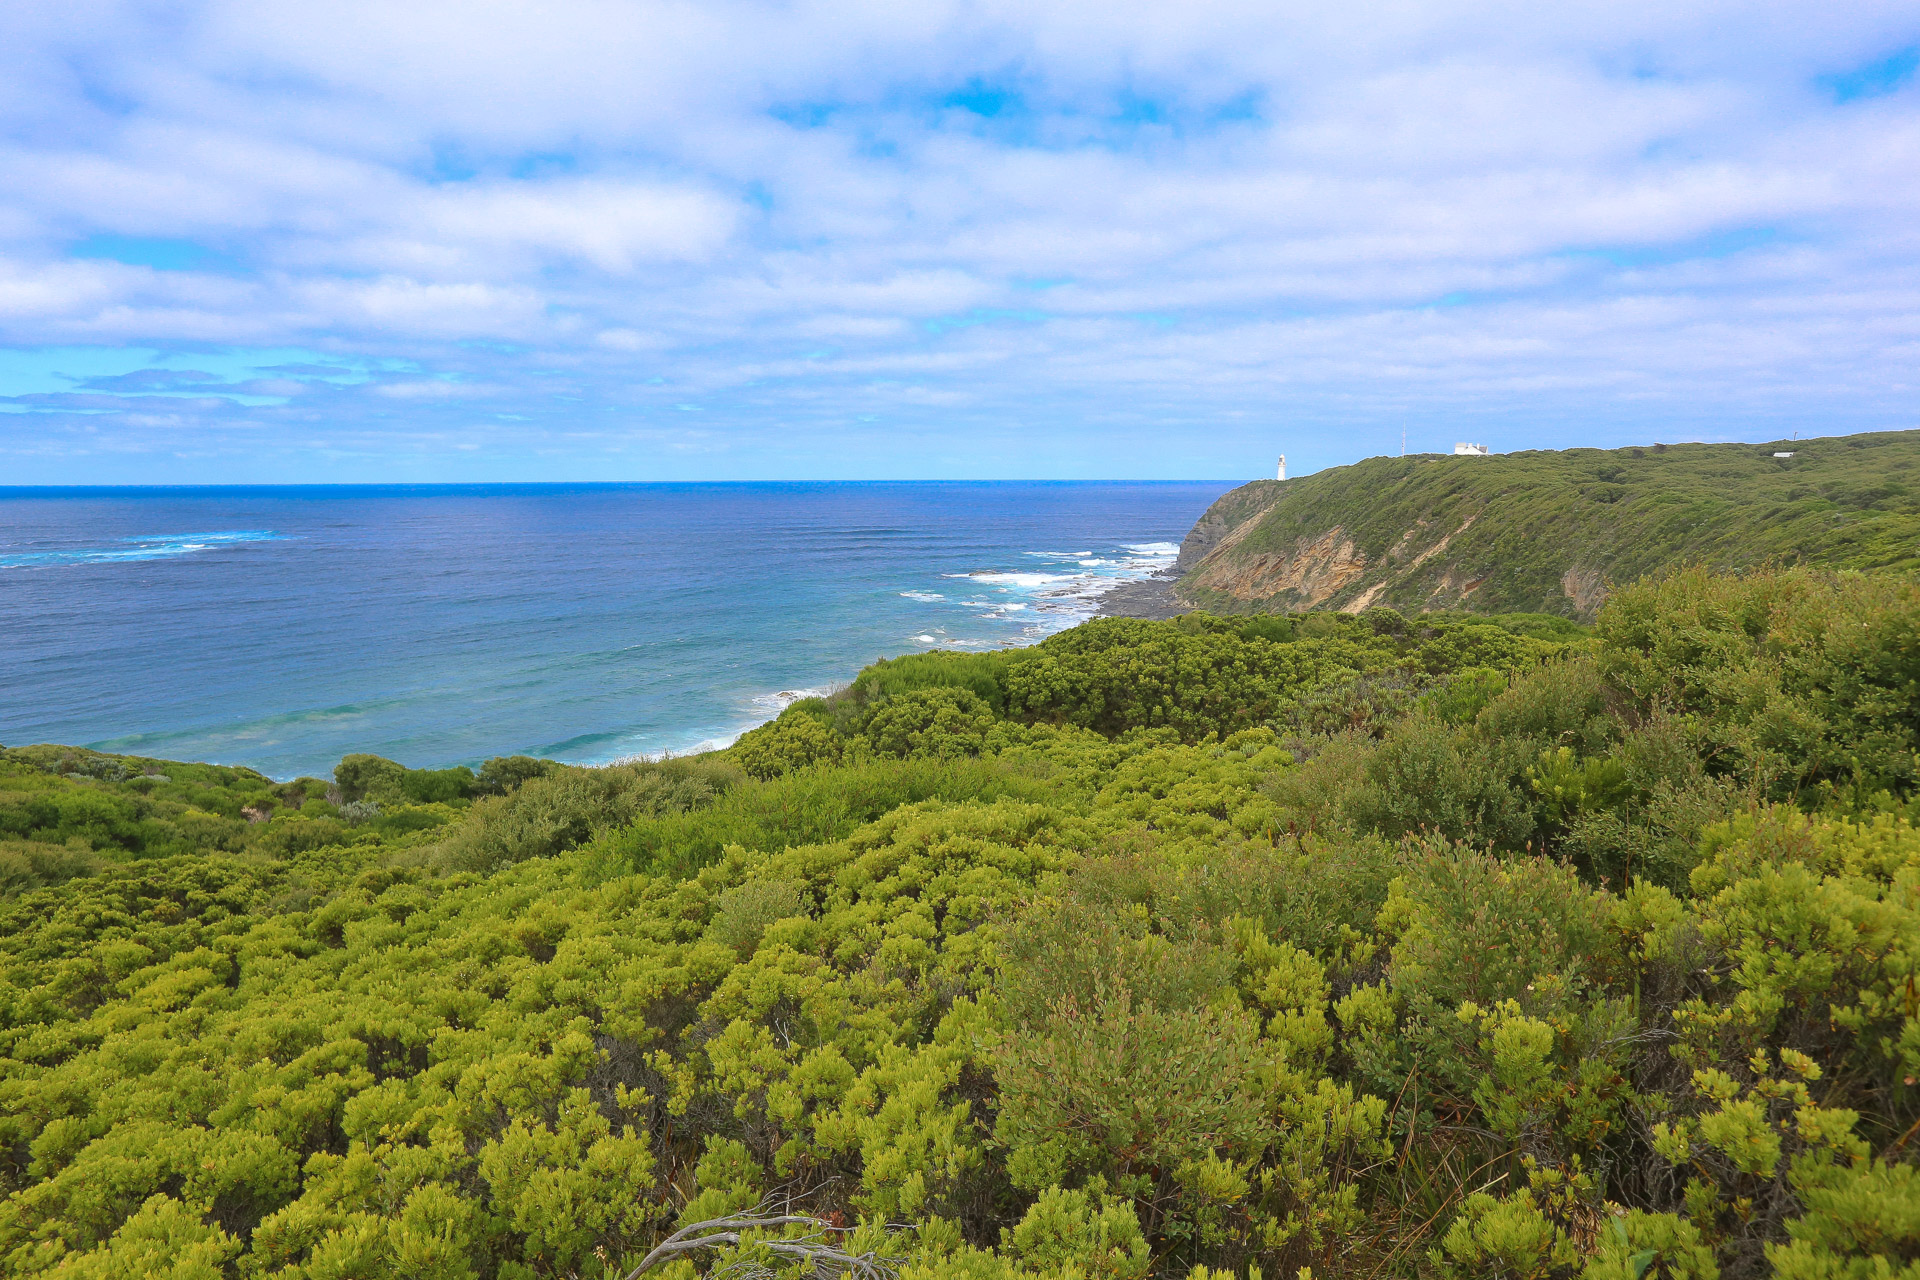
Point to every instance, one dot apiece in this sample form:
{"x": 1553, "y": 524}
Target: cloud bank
{"x": 574, "y": 240}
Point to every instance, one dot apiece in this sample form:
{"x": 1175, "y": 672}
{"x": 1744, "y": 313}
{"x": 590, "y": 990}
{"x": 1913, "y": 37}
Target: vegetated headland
{"x": 1542, "y": 531}
{"x": 1327, "y": 944}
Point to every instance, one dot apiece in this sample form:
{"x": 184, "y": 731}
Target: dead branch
{"x": 825, "y": 1260}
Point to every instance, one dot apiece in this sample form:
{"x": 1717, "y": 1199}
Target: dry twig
{"x": 825, "y": 1260}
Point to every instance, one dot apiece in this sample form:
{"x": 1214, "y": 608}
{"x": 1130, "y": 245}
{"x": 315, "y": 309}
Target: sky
{"x": 260, "y": 242}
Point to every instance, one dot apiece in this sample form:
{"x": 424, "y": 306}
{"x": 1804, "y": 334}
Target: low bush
{"x": 1371, "y": 947}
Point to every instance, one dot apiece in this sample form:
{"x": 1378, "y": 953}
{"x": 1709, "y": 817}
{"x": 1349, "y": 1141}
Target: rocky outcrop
{"x": 1318, "y": 568}
{"x": 1455, "y": 586}
{"x": 1312, "y": 572}
{"x": 1229, "y": 561}
{"x": 1223, "y": 524}
{"x": 1545, "y": 531}
{"x": 1145, "y": 598}
{"x": 1360, "y": 602}
{"x": 1402, "y": 533}
{"x": 1439, "y": 547}
{"x": 1201, "y": 540}
{"x": 1587, "y": 588}
{"x": 1227, "y": 520}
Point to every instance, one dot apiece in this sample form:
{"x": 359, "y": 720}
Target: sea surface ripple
{"x": 281, "y": 627}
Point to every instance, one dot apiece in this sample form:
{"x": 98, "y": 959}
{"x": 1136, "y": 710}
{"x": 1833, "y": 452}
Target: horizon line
{"x": 576, "y": 484}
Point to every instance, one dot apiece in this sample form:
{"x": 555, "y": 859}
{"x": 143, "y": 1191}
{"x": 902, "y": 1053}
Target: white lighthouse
{"x": 1282, "y": 475}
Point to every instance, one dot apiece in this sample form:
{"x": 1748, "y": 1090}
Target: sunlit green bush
{"x": 1382, "y": 946}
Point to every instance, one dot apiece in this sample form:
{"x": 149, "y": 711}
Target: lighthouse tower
{"x": 1283, "y": 468}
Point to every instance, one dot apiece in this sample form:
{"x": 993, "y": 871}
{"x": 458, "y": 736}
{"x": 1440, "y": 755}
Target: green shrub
{"x": 1459, "y": 698}
{"x": 1088, "y": 1234}
{"x": 1557, "y": 704}
{"x": 742, "y": 913}
{"x": 1362, "y": 704}
{"x": 1129, "y": 1087}
{"x": 1529, "y": 1235}
{"x": 502, "y": 774}
{"x": 549, "y": 814}
{"x": 1091, "y": 986}
{"x": 804, "y": 808}
{"x": 304, "y": 835}
{"x": 26, "y": 865}
{"x": 1116, "y": 674}
{"x": 437, "y": 786}
{"x": 382, "y": 781}
{"x": 1805, "y": 683}
{"x": 1470, "y": 926}
{"x": 980, "y": 674}
{"x": 1428, "y": 777}
{"x": 1861, "y": 1221}
{"x": 942, "y": 724}
{"x": 797, "y": 740}
{"x": 369, "y": 777}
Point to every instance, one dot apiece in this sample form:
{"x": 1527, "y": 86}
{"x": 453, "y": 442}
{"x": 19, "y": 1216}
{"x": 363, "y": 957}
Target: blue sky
{"x": 658, "y": 240}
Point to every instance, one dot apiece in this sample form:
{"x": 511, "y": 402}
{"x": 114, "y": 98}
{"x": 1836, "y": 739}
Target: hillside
{"x": 1548, "y": 531}
{"x": 1337, "y": 947}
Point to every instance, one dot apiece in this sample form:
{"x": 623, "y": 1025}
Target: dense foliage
{"x": 1334, "y": 946}
{"x": 1542, "y": 529}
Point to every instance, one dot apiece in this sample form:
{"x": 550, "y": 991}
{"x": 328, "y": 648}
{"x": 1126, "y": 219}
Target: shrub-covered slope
{"x": 1331, "y": 946}
{"x": 1549, "y": 531}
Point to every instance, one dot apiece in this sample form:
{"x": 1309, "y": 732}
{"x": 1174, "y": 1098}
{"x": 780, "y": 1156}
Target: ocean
{"x": 282, "y": 627}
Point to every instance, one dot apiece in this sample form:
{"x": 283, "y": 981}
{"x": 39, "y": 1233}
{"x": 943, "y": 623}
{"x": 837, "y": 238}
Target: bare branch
{"x": 826, "y": 1261}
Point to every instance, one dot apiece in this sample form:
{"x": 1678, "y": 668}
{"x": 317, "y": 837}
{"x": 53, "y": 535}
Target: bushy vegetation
{"x": 1503, "y": 533}
{"x": 1371, "y": 946}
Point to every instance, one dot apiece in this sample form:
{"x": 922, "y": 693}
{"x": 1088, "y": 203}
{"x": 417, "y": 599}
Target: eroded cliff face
{"x": 1229, "y": 518}
{"x": 1328, "y": 569}
{"x": 1312, "y": 572}
{"x": 1587, "y": 588}
{"x": 1551, "y": 531}
{"x": 1228, "y": 558}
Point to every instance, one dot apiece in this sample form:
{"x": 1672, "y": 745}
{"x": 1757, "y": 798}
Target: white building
{"x": 1465, "y": 450}
{"x": 1283, "y": 468}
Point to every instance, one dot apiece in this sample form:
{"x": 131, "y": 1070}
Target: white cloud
{"x": 609, "y": 226}
{"x": 430, "y": 389}
{"x": 1231, "y": 215}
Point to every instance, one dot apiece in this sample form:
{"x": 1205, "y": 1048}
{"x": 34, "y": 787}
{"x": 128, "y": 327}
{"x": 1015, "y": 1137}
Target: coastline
{"x": 767, "y": 707}
{"x": 1150, "y": 598}
{"x": 609, "y": 624}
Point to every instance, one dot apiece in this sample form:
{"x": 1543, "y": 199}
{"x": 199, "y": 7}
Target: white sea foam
{"x": 774, "y": 703}
{"x": 1020, "y": 606}
{"x": 764, "y": 707}
{"x": 1014, "y": 579}
{"x": 1043, "y": 603}
{"x": 672, "y": 753}
{"x": 164, "y": 546}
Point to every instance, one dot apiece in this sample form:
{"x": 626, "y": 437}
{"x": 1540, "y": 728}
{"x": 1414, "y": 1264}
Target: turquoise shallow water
{"x": 283, "y": 627}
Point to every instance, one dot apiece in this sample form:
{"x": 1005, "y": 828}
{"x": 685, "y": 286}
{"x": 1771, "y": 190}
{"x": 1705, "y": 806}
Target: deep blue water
{"x": 284, "y": 627}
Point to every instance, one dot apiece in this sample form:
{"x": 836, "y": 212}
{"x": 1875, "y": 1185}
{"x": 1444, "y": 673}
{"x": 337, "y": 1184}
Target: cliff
{"x": 1549, "y": 531}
